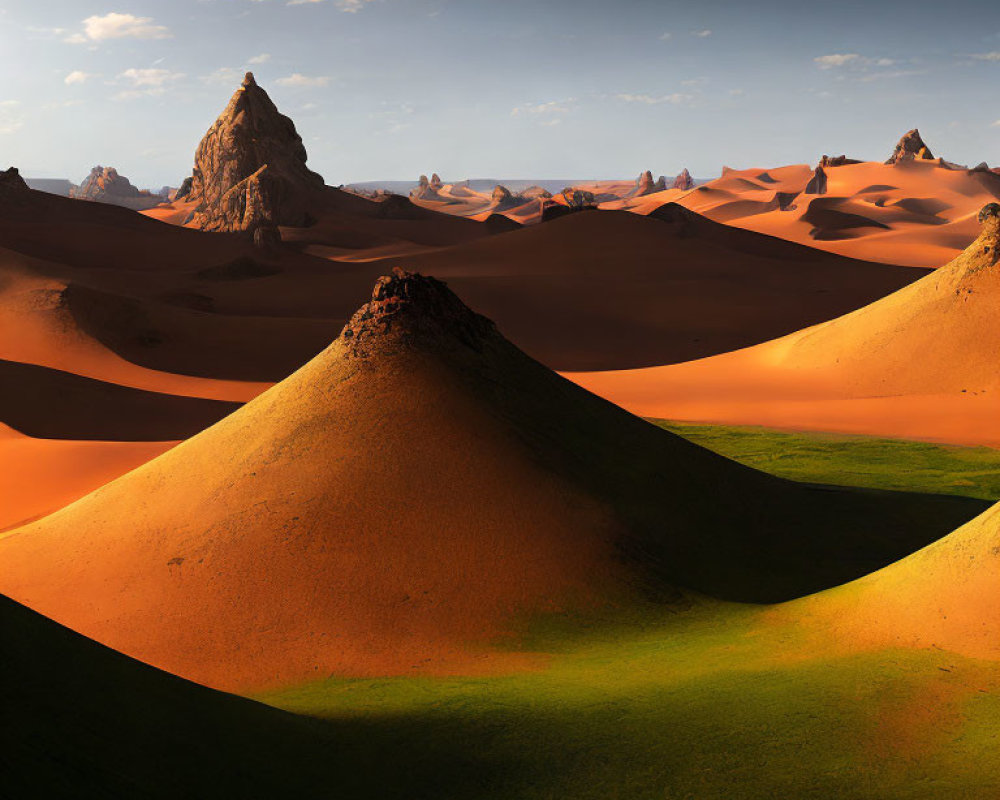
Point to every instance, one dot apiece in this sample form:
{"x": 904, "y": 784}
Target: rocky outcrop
{"x": 661, "y": 184}
{"x": 250, "y": 168}
{"x": 644, "y": 184}
{"x": 12, "y": 186}
{"x": 911, "y": 147}
{"x": 578, "y": 198}
{"x": 436, "y": 181}
{"x": 106, "y": 185}
{"x": 817, "y": 184}
{"x": 536, "y": 193}
{"x": 407, "y": 308}
{"x": 837, "y": 161}
{"x": 684, "y": 181}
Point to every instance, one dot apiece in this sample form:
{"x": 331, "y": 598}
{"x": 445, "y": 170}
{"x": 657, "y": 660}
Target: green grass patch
{"x": 861, "y": 461}
{"x": 687, "y": 707}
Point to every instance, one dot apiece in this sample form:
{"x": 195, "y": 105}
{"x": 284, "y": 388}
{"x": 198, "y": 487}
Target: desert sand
{"x": 920, "y": 363}
{"x": 418, "y": 462}
{"x": 917, "y": 213}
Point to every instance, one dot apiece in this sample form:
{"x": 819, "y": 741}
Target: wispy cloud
{"x": 853, "y": 60}
{"x": 993, "y": 56}
{"x": 119, "y": 26}
{"x": 665, "y": 36}
{"x": 298, "y": 81}
{"x": 263, "y": 58}
{"x": 677, "y": 98}
{"x": 836, "y": 60}
{"x": 76, "y": 77}
{"x": 145, "y": 82}
{"x": 551, "y": 107}
{"x": 702, "y": 34}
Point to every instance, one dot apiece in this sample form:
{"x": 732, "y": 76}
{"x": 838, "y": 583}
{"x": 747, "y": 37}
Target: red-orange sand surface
{"x": 921, "y": 363}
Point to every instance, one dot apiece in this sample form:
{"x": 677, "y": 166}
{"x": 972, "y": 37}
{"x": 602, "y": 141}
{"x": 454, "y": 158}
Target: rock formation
{"x": 536, "y": 193}
{"x": 436, "y": 181}
{"x": 910, "y": 147}
{"x": 684, "y": 181}
{"x": 817, "y": 184}
{"x": 644, "y": 184}
{"x": 406, "y": 307}
{"x": 106, "y": 185}
{"x": 12, "y": 186}
{"x": 837, "y": 161}
{"x": 250, "y": 169}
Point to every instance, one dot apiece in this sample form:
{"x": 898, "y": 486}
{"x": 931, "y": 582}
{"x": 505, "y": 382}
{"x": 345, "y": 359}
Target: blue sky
{"x": 387, "y": 89}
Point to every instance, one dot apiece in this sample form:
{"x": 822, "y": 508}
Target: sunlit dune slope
{"x": 410, "y": 497}
{"x": 38, "y": 476}
{"x": 943, "y": 596}
{"x": 919, "y": 213}
{"x": 921, "y": 362}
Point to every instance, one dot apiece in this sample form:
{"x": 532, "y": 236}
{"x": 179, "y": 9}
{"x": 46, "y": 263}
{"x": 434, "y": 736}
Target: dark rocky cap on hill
{"x": 910, "y": 147}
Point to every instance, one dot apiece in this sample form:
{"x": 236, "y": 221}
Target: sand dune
{"x": 80, "y": 720}
{"x": 39, "y": 476}
{"x": 607, "y": 290}
{"x": 921, "y": 363}
{"x": 943, "y": 596}
{"x": 408, "y": 497}
{"x": 918, "y": 213}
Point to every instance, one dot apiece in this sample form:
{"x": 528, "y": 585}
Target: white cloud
{"x": 994, "y": 56}
{"x": 996, "y": 124}
{"x": 650, "y": 100}
{"x": 702, "y": 34}
{"x": 119, "y": 26}
{"x": 299, "y": 81}
{"x": 548, "y": 123}
{"x": 146, "y": 82}
{"x": 77, "y": 76}
{"x": 665, "y": 36}
{"x": 836, "y": 60}
{"x": 551, "y": 107}
{"x": 263, "y": 58}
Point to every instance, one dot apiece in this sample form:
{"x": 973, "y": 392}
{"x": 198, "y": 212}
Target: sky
{"x": 389, "y": 89}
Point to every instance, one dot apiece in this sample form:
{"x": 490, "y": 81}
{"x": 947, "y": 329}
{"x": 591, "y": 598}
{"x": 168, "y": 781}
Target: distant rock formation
{"x": 424, "y": 182}
{"x": 578, "y": 198}
{"x": 536, "y": 193}
{"x": 911, "y": 147}
{"x": 250, "y": 168}
{"x": 817, "y": 184}
{"x": 436, "y": 181}
{"x": 661, "y": 184}
{"x": 106, "y": 185}
{"x": 684, "y": 181}
{"x": 644, "y": 184}
{"x": 837, "y": 161}
{"x": 12, "y": 186}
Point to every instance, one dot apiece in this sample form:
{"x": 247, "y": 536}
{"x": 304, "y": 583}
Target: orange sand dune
{"x": 39, "y": 476}
{"x": 915, "y": 213}
{"x": 919, "y": 363}
{"x": 407, "y": 498}
{"x": 37, "y": 327}
{"x": 942, "y": 597}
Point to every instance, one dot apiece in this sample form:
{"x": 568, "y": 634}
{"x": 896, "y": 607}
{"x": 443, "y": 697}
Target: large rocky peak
{"x": 250, "y": 168}
{"x": 684, "y": 181}
{"x": 910, "y": 147}
{"x": 501, "y": 194}
{"x": 408, "y": 308}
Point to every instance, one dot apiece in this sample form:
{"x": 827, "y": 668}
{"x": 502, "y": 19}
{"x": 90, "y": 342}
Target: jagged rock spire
{"x": 250, "y": 168}
{"x": 910, "y": 147}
